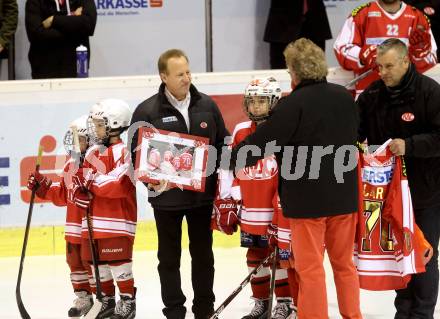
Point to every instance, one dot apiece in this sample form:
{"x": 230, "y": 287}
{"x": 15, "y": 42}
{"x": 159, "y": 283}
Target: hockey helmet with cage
{"x": 115, "y": 115}
{"x": 81, "y": 127}
{"x": 268, "y": 89}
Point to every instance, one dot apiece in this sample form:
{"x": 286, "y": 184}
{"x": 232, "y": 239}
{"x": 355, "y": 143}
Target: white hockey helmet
{"x": 116, "y": 115}
{"x": 81, "y": 126}
{"x": 268, "y": 88}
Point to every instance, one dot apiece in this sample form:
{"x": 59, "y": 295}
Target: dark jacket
{"x": 8, "y": 21}
{"x": 286, "y": 22}
{"x": 52, "y": 52}
{"x": 381, "y": 114}
{"x": 315, "y": 114}
{"x": 201, "y": 109}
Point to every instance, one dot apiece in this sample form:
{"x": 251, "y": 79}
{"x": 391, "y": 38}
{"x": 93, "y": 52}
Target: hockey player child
{"x": 256, "y": 188}
{"x": 60, "y": 194}
{"x": 111, "y": 201}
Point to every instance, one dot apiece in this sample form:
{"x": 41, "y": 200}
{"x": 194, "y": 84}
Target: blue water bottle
{"x": 82, "y": 68}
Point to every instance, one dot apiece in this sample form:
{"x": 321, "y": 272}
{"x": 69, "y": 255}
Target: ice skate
{"x": 125, "y": 308}
{"x": 81, "y": 305}
{"x": 259, "y": 311}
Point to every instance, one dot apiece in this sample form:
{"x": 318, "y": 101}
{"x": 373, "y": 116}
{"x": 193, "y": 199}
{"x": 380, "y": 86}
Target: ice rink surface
{"x": 47, "y": 293}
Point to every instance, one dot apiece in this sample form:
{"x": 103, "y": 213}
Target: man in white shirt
{"x": 180, "y": 108}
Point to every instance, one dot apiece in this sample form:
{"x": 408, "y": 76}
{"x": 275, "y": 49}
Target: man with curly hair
{"x": 314, "y": 129}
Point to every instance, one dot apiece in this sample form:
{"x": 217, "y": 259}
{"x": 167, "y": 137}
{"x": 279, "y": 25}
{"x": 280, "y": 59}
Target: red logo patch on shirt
{"x": 203, "y": 125}
{"x": 407, "y": 117}
{"x": 429, "y": 11}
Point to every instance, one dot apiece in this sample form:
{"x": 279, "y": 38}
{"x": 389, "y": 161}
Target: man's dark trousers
{"x": 418, "y": 300}
{"x": 169, "y": 230}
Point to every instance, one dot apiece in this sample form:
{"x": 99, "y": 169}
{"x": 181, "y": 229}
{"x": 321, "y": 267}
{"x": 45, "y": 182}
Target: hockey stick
{"x": 272, "y": 283}
{"x": 358, "y": 78}
{"x": 97, "y": 305}
{"x": 240, "y": 287}
{"x": 24, "y": 314}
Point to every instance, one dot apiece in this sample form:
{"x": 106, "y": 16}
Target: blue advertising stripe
{"x": 4, "y": 181}
{"x": 4, "y": 162}
{"x": 5, "y": 199}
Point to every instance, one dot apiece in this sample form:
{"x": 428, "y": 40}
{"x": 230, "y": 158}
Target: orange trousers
{"x": 309, "y": 237}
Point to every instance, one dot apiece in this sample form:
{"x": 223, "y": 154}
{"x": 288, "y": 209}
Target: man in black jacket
{"x": 55, "y": 29}
{"x": 8, "y": 24}
{"x": 315, "y": 128}
{"x": 404, "y": 106}
{"x": 179, "y": 107}
{"x": 289, "y": 20}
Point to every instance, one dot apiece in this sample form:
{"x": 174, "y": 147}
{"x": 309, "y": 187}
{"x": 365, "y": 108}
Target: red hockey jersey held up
{"x": 389, "y": 246}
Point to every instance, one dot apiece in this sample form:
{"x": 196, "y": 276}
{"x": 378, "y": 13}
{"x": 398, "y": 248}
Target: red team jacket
{"x": 60, "y": 194}
{"x": 114, "y": 203}
{"x": 389, "y": 246}
{"x": 369, "y": 24}
{"x": 255, "y": 186}
{"x": 257, "y": 189}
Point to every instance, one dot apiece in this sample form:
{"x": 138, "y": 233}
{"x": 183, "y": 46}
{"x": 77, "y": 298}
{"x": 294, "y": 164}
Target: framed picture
{"x": 178, "y": 158}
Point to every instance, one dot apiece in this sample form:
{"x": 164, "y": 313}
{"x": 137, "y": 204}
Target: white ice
{"x": 47, "y": 293}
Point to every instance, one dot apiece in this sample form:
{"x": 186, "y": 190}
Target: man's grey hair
{"x": 393, "y": 43}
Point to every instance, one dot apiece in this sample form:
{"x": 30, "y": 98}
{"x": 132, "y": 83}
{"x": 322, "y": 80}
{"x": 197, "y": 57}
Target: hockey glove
{"x": 420, "y": 43}
{"x": 368, "y": 55}
{"x": 83, "y": 178}
{"x": 39, "y": 183}
{"x": 82, "y": 197}
{"x": 272, "y": 231}
{"x": 226, "y": 215}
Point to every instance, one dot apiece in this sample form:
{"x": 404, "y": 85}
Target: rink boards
{"x": 40, "y": 111}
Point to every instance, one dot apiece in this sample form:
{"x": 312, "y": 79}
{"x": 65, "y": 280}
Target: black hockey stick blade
{"x": 21, "y": 308}
{"x": 272, "y": 283}
{"x": 97, "y": 305}
{"x": 94, "y": 311}
{"x": 240, "y": 287}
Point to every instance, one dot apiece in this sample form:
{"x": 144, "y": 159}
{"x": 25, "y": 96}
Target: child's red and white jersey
{"x": 283, "y": 225}
{"x": 113, "y": 208}
{"x": 61, "y": 194}
{"x": 388, "y": 247}
{"x": 255, "y": 186}
{"x": 370, "y": 24}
